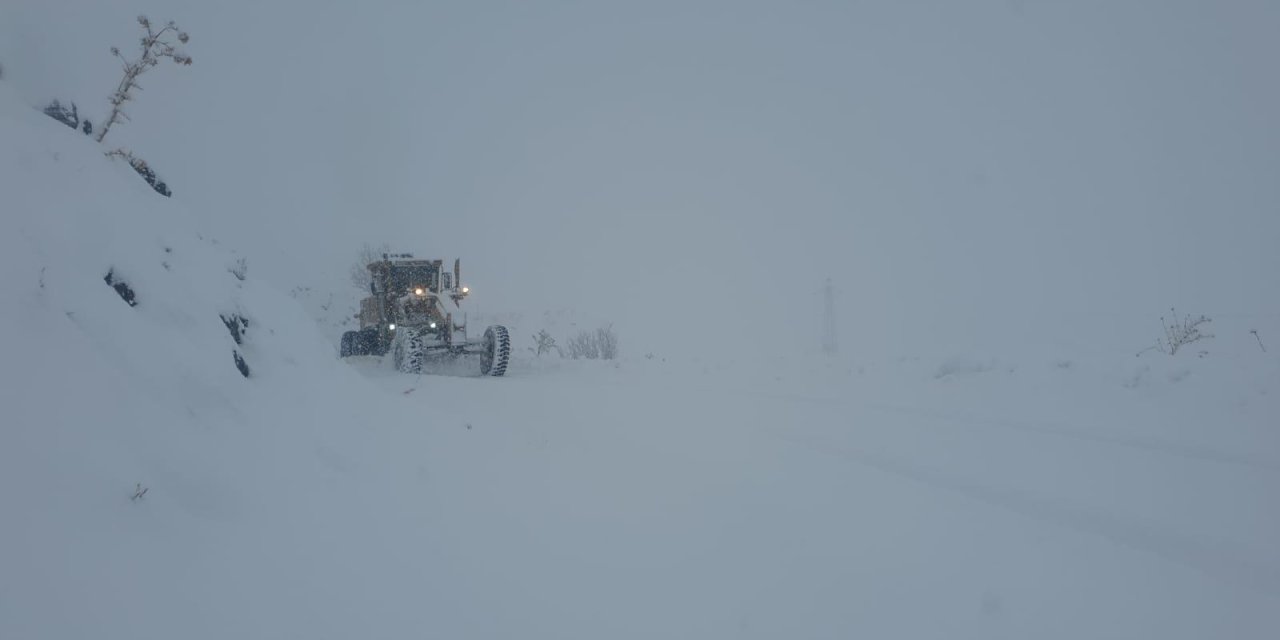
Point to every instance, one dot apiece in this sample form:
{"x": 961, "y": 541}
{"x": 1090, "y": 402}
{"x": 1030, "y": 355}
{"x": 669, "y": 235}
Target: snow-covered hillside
{"x": 98, "y": 396}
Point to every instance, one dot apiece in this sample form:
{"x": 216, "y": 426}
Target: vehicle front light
{"x": 466, "y": 289}
{"x": 432, "y": 325}
{"x": 391, "y": 327}
{"x": 418, "y": 291}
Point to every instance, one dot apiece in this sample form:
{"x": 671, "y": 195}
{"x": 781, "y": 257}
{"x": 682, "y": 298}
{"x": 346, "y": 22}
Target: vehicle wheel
{"x": 348, "y": 344}
{"x": 367, "y": 343}
{"x": 497, "y": 351}
{"x": 408, "y": 351}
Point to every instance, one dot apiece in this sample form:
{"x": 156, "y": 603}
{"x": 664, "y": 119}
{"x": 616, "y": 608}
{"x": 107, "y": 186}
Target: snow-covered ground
{"x": 643, "y": 500}
{"x": 1037, "y": 481}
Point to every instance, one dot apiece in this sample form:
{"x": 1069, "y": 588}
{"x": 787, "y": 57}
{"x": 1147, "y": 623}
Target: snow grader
{"x": 409, "y": 314}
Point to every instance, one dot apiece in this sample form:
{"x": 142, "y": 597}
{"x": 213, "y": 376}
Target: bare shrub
{"x": 240, "y": 269}
{"x": 601, "y": 344}
{"x": 143, "y": 169}
{"x": 1178, "y": 334}
{"x": 582, "y": 345}
{"x": 607, "y": 341}
{"x": 69, "y": 116}
{"x": 543, "y": 343}
{"x": 156, "y": 46}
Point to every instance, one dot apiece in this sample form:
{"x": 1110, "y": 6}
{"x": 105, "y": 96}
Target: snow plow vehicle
{"x": 409, "y": 314}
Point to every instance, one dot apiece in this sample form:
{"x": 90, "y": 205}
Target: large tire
{"x": 408, "y": 350}
{"x": 497, "y": 351}
{"x": 368, "y": 343}
{"x": 348, "y": 345}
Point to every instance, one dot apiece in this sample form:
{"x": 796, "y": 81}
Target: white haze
{"x": 965, "y": 172}
{"x": 1007, "y": 196}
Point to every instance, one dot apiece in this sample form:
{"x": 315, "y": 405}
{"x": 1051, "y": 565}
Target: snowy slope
{"x": 99, "y": 396}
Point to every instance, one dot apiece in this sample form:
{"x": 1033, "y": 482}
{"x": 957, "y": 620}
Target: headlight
{"x": 391, "y": 327}
{"x": 432, "y": 325}
{"x": 466, "y": 289}
{"x": 418, "y": 291}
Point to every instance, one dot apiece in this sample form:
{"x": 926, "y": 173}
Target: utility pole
{"x": 829, "y": 346}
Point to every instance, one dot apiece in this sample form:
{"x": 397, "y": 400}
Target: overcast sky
{"x": 697, "y": 168}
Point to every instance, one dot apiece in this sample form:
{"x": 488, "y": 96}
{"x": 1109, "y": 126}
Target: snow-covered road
{"x": 600, "y": 501}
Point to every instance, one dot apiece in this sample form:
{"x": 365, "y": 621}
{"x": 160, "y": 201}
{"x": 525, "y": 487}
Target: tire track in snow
{"x": 1135, "y": 442}
{"x": 1221, "y": 560}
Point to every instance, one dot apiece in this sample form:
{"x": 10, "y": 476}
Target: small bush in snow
{"x": 1178, "y": 334}
{"x": 607, "y": 342}
{"x": 543, "y": 343}
{"x": 156, "y": 46}
{"x": 143, "y": 170}
{"x": 240, "y": 269}
{"x": 139, "y": 492}
{"x": 236, "y": 325}
{"x": 592, "y": 345}
{"x": 68, "y": 116}
{"x": 1259, "y": 339}
{"x": 582, "y": 345}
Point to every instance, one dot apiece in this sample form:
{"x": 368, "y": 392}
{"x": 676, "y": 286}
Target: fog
{"x": 966, "y": 173}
